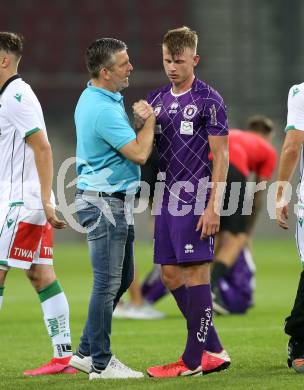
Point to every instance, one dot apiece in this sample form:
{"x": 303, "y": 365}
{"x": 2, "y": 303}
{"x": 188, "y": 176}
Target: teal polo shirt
{"x": 103, "y": 128}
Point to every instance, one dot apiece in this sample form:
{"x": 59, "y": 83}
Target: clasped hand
{"x": 142, "y": 110}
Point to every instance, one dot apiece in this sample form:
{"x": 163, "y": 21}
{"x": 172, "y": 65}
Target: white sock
{"x": 55, "y": 309}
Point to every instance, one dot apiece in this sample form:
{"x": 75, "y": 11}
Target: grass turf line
{"x": 256, "y": 342}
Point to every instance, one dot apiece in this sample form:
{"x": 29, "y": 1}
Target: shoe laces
{"x": 115, "y": 363}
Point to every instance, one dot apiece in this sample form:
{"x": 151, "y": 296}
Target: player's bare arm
{"x": 44, "y": 163}
{"x": 290, "y": 154}
{"x": 209, "y": 222}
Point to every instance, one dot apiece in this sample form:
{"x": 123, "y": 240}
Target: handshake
{"x": 142, "y": 110}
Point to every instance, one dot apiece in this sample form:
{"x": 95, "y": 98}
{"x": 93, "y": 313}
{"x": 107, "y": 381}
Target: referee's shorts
{"x": 235, "y": 223}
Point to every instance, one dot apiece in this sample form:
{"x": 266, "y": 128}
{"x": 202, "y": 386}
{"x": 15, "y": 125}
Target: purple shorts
{"x": 237, "y": 286}
{"x": 177, "y": 242}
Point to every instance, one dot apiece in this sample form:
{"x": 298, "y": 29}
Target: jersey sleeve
{"x": 295, "y": 116}
{"x": 268, "y": 165}
{"x": 114, "y": 127}
{"x": 216, "y": 116}
{"x": 23, "y": 115}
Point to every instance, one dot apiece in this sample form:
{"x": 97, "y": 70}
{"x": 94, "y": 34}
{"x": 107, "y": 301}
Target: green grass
{"x": 256, "y": 342}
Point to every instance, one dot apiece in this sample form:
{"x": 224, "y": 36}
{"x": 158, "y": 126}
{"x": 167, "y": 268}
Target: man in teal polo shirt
{"x": 108, "y": 156}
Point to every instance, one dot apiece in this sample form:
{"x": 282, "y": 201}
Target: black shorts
{"x": 235, "y": 223}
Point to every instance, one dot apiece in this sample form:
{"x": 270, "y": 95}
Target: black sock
{"x": 218, "y": 271}
{"x": 294, "y": 324}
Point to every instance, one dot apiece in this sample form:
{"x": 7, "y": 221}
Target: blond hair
{"x": 178, "y": 39}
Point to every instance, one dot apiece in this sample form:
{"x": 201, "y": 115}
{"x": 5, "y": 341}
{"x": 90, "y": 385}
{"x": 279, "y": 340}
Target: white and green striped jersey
{"x": 295, "y": 116}
{"x": 20, "y": 116}
{"x": 295, "y": 121}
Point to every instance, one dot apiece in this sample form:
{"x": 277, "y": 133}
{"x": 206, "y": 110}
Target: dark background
{"x": 251, "y": 52}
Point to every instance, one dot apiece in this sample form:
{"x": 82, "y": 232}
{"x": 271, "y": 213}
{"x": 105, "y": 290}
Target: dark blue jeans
{"x": 111, "y": 252}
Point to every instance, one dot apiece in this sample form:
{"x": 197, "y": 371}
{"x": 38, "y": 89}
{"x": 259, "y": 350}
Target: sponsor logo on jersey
{"x": 9, "y": 222}
{"x": 186, "y": 128}
{"x": 189, "y": 111}
{"x": 48, "y": 251}
{"x": 18, "y": 97}
{"x": 301, "y": 221}
{"x": 23, "y": 253}
{"x": 189, "y": 248}
{"x": 157, "y": 110}
{"x": 173, "y": 108}
{"x": 295, "y": 91}
{"x": 26, "y": 241}
{"x": 213, "y": 119}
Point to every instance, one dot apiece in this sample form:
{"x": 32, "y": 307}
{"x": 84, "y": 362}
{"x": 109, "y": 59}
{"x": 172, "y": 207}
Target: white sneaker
{"x": 143, "y": 312}
{"x": 81, "y": 362}
{"x": 121, "y": 310}
{"x": 114, "y": 370}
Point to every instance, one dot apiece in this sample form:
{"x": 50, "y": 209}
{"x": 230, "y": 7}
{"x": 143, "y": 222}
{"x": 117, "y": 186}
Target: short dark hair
{"x": 100, "y": 54}
{"x": 11, "y": 43}
{"x": 179, "y": 39}
{"x": 260, "y": 124}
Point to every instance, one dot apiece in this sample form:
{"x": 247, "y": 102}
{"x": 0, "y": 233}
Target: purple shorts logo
{"x": 189, "y": 248}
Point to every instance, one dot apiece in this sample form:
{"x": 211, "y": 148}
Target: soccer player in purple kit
{"x": 191, "y": 122}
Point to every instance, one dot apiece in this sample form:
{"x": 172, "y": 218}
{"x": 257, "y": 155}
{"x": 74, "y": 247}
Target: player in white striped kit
{"x": 27, "y": 213}
{"x": 291, "y": 151}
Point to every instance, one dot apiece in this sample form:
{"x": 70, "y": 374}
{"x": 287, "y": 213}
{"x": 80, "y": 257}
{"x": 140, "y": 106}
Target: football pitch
{"x": 255, "y": 342}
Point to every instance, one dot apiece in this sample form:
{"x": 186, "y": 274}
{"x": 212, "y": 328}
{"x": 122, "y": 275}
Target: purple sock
{"x": 180, "y": 295}
{"x": 213, "y": 343}
{"x": 199, "y": 319}
{"x": 152, "y": 288}
{"x": 155, "y": 293}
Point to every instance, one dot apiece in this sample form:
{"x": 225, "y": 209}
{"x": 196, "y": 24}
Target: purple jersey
{"x": 183, "y": 124}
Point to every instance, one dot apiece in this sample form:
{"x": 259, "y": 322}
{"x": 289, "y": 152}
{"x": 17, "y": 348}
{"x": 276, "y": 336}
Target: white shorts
{"x": 26, "y": 238}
